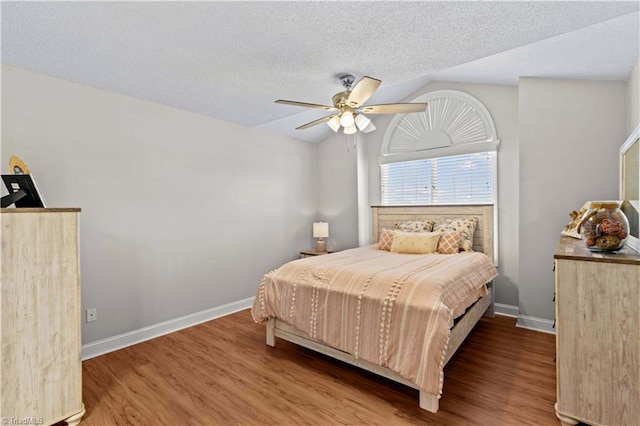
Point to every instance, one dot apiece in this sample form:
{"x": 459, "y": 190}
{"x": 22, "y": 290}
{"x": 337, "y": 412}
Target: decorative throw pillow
{"x": 415, "y": 226}
{"x": 385, "y": 240}
{"x": 415, "y": 242}
{"x": 449, "y": 242}
{"x": 466, "y": 227}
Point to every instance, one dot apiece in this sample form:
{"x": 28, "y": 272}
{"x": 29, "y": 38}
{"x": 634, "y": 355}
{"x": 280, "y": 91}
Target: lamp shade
{"x": 346, "y": 119}
{"x": 369, "y": 128}
{"x": 362, "y": 122}
{"x": 350, "y": 130}
{"x": 334, "y": 123}
{"x": 320, "y": 230}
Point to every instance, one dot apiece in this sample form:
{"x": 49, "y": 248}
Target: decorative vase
{"x": 604, "y": 227}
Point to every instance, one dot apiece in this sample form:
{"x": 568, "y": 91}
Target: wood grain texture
{"x": 23, "y": 210}
{"x": 40, "y": 316}
{"x": 311, "y": 253}
{"x": 598, "y": 338}
{"x": 574, "y": 249}
{"x": 221, "y": 373}
{"x": 427, "y": 401}
{"x": 387, "y": 216}
{"x": 463, "y": 327}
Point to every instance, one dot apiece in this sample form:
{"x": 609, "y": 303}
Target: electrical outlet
{"x": 92, "y": 314}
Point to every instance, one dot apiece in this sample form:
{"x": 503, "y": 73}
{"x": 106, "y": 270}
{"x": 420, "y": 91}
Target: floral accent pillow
{"x": 449, "y": 242}
{"x": 385, "y": 240}
{"x": 466, "y": 227}
{"x": 415, "y": 226}
{"x": 415, "y": 242}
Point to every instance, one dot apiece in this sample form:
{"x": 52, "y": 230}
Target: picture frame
{"x": 630, "y": 186}
{"x": 25, "y": 188}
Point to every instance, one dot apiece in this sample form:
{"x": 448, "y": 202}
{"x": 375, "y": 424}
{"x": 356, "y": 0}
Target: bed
{"x": 388, "y": 313}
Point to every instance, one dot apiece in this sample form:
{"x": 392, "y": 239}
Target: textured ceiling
{"x": 231, "y": 60}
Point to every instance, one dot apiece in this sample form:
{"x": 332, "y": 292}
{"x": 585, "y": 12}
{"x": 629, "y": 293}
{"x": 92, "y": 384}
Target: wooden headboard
{"x": 388, "y": 216}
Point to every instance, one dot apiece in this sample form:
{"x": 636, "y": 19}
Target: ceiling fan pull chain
{"x": 352, "y": 141}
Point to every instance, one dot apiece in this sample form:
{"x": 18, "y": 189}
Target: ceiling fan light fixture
{"x": 350, "y": 130}
{"x": 348, "y": 106}
{"x": 346, "y": 119}
{"x": 362, "y": 122}
{"x": 334, "y": 123}
{"x": 369, "y": 128}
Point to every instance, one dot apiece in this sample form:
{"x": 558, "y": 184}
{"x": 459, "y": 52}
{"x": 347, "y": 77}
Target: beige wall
{"x": 570, "y": 132}
{"x": 633, "y": 98}
{"x": 337, "y": 190}
{"x": 180, "y": 212}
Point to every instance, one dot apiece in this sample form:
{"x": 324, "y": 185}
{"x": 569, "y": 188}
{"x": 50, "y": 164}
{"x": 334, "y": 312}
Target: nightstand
{"x": 311, "y": 253}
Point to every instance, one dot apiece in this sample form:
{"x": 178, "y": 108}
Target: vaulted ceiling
{"x": 231, "y": 60}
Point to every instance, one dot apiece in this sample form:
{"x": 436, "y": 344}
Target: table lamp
{"x": 320, "y": 231}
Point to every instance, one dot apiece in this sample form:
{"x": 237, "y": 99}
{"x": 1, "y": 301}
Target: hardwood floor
{"x": 221, "y": 372}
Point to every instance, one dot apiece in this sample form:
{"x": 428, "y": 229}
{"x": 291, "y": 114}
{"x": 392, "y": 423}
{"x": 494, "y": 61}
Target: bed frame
{"x": 387, "y": 217}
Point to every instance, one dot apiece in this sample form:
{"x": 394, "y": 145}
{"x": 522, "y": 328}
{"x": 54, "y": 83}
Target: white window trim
{"x": 424, "y": 154}
{"x": 490, "y": 143}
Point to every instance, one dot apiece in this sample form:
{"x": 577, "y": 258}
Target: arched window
{"x": 445, "y": 155}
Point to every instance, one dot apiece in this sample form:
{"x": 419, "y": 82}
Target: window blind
{"x": 457, "y": 179}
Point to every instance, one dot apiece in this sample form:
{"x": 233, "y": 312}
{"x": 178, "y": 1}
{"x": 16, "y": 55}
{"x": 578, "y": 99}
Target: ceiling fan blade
{"x": 394, "y": 108}
{"x": 306, "y": 105}
{"x": 315, "y": 122}
{"x": 362, "y": 91}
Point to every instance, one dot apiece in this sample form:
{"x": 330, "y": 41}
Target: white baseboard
{"x": 506, "y": 310}
{"x": 524, "y": 321}
{"x": 537, "y": 324}
{"x": 101, "y": 347}
{"x": 130, "y": 338}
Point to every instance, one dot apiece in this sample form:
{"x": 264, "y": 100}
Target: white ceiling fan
{"x": 349, "y": 107}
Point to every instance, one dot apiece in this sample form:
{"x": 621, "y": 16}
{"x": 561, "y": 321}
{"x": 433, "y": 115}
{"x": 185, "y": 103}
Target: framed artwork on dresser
{"x": 630, "y": 186}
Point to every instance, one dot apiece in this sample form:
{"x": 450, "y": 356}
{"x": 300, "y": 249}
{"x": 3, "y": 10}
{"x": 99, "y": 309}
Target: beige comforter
{"x": 391, "y": 309}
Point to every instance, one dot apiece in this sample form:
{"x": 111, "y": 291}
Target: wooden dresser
{"x": 597, "y": 335}
{"x": 40, "y": 341}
